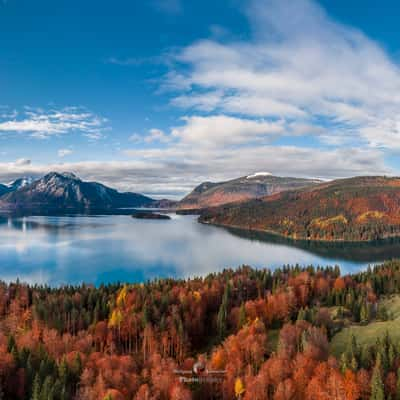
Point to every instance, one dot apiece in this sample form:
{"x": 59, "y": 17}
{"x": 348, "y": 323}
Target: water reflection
{"x": 370, "y": 252}
{"x": 98, "y": 249}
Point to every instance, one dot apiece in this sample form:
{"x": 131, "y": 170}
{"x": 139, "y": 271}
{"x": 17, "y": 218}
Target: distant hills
{"x": 211, "y": 194}
{"x": 354, "y": 209}
{"x": 59, "y": 192}
{"x": 66, "y": 192}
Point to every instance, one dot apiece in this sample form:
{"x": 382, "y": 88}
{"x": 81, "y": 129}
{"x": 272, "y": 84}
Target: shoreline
{"x": 301, "y": 239}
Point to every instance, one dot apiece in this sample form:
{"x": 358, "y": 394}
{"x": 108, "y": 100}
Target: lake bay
{"x": 103, "y": 249}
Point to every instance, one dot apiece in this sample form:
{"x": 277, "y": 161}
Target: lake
{"x": 102, "y": 249}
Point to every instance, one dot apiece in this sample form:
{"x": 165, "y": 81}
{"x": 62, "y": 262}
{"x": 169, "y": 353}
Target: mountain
{"x": 210, "y": 194}
{"x": 66, "y": 192}
{"x": 354, "y": 209}
{"x": 20, "y": 182}
{"x": 4, "y": 189}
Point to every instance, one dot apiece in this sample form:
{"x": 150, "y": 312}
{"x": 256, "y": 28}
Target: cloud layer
{"x": 42, "y": 124}
{"x": 300, "y": 66}
{"x": 174, "y": 172}
{"x": 303, "y": 96}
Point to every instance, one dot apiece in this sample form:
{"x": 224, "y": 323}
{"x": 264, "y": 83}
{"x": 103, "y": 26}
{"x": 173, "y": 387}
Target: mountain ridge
{"x": 65, "y": 191}
{"x": 352, "y": 209}
{"x": 211, "y": 194}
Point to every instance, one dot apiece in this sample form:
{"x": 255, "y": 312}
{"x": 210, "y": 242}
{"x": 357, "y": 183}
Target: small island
{"x": 150, "y": 215}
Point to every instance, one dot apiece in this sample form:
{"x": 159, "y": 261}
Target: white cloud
{"x": 299, "y": 65}
{"x": 64, "y": 152}
{"x": 22, "y": 162}
{"x": 223, "y": 130}
{"x": 135, "y": 138}
{"x": 41, "y": 124}
{"x": 248, "y": 106}
{"x": 156, "y": 135}
{"x": 174, "y": 171}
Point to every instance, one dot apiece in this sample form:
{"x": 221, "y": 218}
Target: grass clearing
{"x": 368, "y": 334}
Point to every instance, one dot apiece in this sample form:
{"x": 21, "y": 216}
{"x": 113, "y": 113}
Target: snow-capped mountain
{"x": 20, "y": 183}
{"x": 65, "y": 191}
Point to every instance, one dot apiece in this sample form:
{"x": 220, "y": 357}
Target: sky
{"x": 156, "y": 96}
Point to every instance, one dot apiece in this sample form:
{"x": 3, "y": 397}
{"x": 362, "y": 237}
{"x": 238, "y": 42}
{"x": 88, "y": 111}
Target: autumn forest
{"x": 269, "y": 334}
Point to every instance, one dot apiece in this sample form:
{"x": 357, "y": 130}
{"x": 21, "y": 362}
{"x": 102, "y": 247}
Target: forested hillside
{"x": 354, "y": 209}
{"x": 270, "y": 333}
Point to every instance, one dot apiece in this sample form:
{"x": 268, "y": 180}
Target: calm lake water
{"x": 101, "y": 249}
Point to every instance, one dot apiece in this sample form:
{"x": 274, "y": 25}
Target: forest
{"x": 268, "y": 334}
{"x": 359, "y": 209}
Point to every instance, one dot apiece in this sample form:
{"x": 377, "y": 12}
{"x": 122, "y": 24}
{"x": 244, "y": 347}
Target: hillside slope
{"x": 355, "y": 209}
{"x": 211, "y": 194}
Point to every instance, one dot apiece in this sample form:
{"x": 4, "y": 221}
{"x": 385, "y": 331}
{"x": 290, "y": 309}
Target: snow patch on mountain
{"x": 258, "y": 174}
{"x": 21, "y": 182}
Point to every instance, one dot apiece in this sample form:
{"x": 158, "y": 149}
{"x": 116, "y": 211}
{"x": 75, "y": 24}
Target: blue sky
{"x": 158, "y": 95}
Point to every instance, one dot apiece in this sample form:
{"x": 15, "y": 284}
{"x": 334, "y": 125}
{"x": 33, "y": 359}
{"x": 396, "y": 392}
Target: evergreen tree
{"x": 36, "y": 388}
{"x": 365, "y": 313}
{"x": 77, "y": 366}
{"x": 377, "y": 388}
{"x": 242, "y": 317}
{"x": 46, "y": 391}
{"x": 63, "y": 371}
{"x": 223, "y": 313}
{"x": 10, "y": 343}
{"x": 301, "y": 316}
{"x": 343, "y": 362}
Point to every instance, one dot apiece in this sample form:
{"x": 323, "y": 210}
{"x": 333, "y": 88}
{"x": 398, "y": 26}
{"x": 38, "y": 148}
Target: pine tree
{"x": 242, "y": 317}
{"x": 301, "y": 316}
{"x": 377, "y": 389}
{"x": 77, "y": 365}
{"x": 36, "y": 388}
{"x": 46, "y": 391}
{"x": 354, "y": 364}
{"x": 63, "y": 374}
{"x": 10, "y": 343}
{"x": 63, "y": 371}
{"x": 364, "y": 313}
{"x": 223, "y": 313}
{"x": 343, "y": 362}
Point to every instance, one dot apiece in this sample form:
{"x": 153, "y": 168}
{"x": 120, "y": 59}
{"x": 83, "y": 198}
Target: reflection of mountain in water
{"x": 46, "y": 212}
{"x": 351, "y": 251}
{"x": 361, "y": 253}
{"x": 25, "y": 224}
